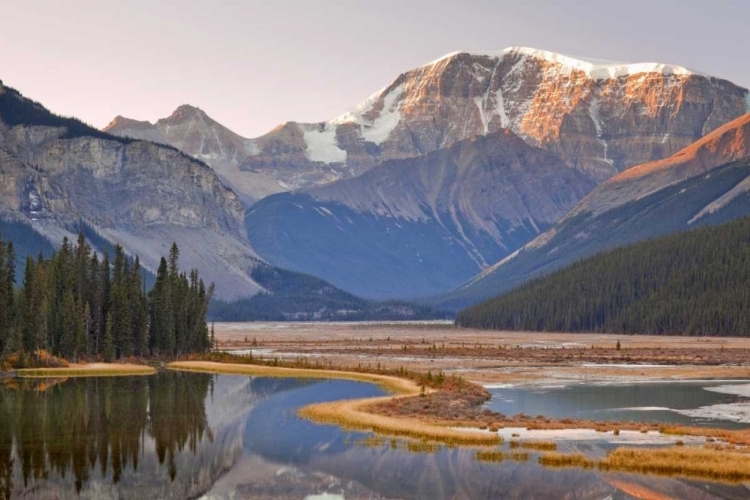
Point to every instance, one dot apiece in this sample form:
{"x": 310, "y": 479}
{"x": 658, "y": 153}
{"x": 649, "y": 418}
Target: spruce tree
{"x": 108, "y": 348}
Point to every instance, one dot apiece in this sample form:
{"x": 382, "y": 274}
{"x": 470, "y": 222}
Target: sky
{"x": 253, "y": 65}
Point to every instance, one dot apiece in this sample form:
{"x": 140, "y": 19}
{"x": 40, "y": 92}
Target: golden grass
{"x": 554, "y": 459}
{"x": 500, "y": 456}
{"x": 534, "y": 445}
{"x": 393, "y": 384}
{"x": 680, "y": 461}
{"x": 354, "y": 414}
{"x": 92, "y": 370}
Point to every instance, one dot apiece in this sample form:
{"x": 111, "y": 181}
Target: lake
{"x": 186, "y": 435}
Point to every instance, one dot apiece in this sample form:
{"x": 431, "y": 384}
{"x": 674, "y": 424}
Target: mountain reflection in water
{"x": 187, "y": 435}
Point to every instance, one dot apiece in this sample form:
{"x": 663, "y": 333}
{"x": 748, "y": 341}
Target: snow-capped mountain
{"x": 599, "y": 116}
{"x": 706, "y": 183}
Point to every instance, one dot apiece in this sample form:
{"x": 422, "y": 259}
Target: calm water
{"x": 180, "y": 435}
{"x": 668, "y": 402}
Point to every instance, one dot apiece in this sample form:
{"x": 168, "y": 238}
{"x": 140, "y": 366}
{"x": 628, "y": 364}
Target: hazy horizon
{"x": 254, "y": 65}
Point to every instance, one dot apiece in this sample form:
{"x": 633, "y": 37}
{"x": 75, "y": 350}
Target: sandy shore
{"x": 89, "y": 370}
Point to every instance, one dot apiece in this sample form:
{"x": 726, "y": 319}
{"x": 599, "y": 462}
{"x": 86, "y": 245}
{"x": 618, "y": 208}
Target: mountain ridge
{"x": 602, "y": 117}
{"x": 707, "y": 182}
{"x": 412, "y": 226}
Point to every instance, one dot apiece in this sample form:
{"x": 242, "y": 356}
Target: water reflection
{"x": 102, "y": 437}
{"x": 181, "y": 435}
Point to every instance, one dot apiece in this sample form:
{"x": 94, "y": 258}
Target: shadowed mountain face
{"x": 57, "y": 173}
{"x": 600, "y": 117}
{"x": 694, "y": 187}
{"x": 419, "y": 226}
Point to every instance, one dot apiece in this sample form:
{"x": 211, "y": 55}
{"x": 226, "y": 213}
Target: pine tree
{"x": 108, "y": 348}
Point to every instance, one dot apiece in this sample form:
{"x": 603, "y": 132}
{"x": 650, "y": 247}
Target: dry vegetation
{"x": 500, "y": 456}
{"x": 566, "y": 460}
{"x": 88, "y": 370}
{"x": 680, "y": 461}
{"x": 494, "y": 356}
{"x": 430, "y": 406}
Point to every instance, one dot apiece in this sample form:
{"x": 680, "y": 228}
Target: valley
{"x": 490, "y": 357}
{"x": 509, "y": 273}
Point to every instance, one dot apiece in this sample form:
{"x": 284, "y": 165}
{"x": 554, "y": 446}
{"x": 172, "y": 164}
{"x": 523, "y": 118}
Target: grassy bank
{"x": 393, "y": 384}
{"x": 355, "y": 414}
{"x": 89, "y": 370}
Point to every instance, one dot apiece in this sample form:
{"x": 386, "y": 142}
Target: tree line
{"x": 77, "y": 306}
{"x": 692, "y": 283}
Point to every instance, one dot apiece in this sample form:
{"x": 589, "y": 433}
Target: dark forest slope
{"x": 691, "y": 283}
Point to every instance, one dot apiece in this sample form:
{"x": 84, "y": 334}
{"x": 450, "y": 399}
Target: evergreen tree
{"x": 108, "y": 347}
{"x": 73, "y": 305}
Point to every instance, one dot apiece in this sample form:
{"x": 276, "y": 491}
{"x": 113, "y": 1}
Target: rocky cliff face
{"x": 601, "y": 117}
{"x": 137, "y": 193}
{"x": 705, "y": 183}
{"x": 419, "y": 226}
{"x": 192, "y": 131}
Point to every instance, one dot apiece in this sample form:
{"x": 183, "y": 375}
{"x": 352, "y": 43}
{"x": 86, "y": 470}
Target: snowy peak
{"x": 601, "y": 117}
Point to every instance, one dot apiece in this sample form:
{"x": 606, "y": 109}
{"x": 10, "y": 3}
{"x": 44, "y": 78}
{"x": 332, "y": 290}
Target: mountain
{"x": 57, "y": 174}
{"x": 192, "y": 131}
{"x": 421, "y": 225}
{"x": 692, "y": 283}
{"x": 292, "y": 296}
{"x": 694, "y": 187}
{"x": 601, "y": 117}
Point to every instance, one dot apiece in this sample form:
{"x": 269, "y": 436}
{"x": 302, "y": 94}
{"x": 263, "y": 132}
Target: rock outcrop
{"x": 601, "y": 117}
{"x": 192, "y": 131}
{"x": 422, "y": 225}
{"x": 58, "y": 174}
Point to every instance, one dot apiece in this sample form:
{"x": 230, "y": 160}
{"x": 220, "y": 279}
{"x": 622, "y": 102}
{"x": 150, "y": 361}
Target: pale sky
{"x": 253, "y": 65}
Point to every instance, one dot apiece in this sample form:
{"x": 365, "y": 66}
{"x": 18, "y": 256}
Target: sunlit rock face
{"x": 140, "y": 194}
{"x": 601, "y": 116}
{"x": 707, "y": 182}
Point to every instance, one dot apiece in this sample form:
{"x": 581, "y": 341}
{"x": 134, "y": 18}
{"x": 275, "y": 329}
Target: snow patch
{"x": 251, "y": 147}
{"x": 322, "y": 145}
{"x": 597, "y": 119}
{"x": 596, "y": 69}
{"x": 733, "y": 412}
{"x": 737, "y": 390}
{"x": 378, "y": 129}
{"x": 747, "y": 101}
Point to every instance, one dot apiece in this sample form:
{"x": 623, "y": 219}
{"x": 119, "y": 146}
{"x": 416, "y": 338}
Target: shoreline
{"x": 353, "y": 414}
{"x": 482, "y": 429}
{"x": 87, "y": 370}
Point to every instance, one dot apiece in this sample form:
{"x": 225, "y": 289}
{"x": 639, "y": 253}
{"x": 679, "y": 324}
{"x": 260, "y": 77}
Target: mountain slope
{"x": 192, "y": 131}
{"x": 418, "y": 226}
{"x": 57, "y": 172}
{"x": 689, "y": 189}
{"x": 692, "y": 283}
{"x": 601, "y": 117}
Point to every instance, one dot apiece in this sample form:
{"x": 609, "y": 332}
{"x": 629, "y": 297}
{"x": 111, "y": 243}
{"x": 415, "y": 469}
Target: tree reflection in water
{"x": 83, "y": 424}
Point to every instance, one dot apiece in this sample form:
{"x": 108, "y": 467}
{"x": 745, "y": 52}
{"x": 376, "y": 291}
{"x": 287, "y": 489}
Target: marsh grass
{"x": 500, "y": 456}
{"x": 555, "y": 460}
{"x": 680, "y": 461}
{"x": 534, "y": 445}
{"x": 391, "y": 383}
{"x": 72, "y": 372}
